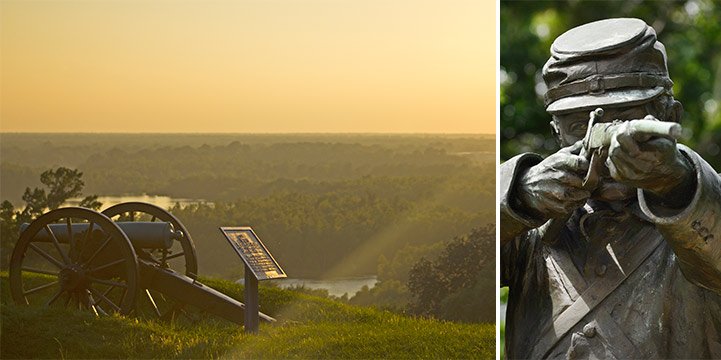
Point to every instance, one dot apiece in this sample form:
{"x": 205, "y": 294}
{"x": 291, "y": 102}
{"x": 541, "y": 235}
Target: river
{"x": 163, "y": 201}
{"x": 335, "y": 287}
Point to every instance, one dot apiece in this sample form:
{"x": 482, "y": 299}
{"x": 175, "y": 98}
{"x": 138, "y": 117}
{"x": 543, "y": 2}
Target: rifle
{"x": 595, "y": 150}
{"x": 599, "y": 135}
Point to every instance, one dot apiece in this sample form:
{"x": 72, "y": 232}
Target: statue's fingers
{"x": 613, "y": 170}
{"x": 624, "y": 168}
{"x": 564, "y": 161}
{"x": 615, "y": 152}
{"x": 624, "y": 140}
{"x": 573, "y": 149}
{"x": 631, "y": 164}
{"x": 568, "y": 206}
{"x": 581, "y": 164}
{"x": 650, "y": 117}
{"x": 574, "y": 163}
{"x": 555, "y": 192}
{"x": 576, "y": 147}
{"x": 657, "y": 148}
{"x": 653, "y": 157}
{"x": 628, "y": 163}
{"x": 568, "y": 179}
{"x": 564, "y": 194}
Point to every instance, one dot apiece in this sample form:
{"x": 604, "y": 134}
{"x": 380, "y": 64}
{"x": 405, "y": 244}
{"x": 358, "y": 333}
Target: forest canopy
{"x": 326, "y": 205}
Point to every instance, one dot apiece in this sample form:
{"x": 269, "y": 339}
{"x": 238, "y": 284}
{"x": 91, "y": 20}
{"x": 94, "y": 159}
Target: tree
{"x": 62, "y": 184}
{"x": 8, "y": 231}
{"x": 458, "y": 276}
{"x": 474, "y": 304}
{"x": 427, "y": 288}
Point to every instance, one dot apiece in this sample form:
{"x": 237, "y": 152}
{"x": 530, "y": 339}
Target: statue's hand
{"x": 655, "y": 165}
{"x": 552, "y": 188}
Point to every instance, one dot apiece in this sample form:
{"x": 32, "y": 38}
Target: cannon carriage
{"x": 108, "y": 262}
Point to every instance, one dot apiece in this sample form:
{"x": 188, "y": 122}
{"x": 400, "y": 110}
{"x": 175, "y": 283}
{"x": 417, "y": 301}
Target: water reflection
{"x": 164, "y": 202}
{"x": 335, "y": 287}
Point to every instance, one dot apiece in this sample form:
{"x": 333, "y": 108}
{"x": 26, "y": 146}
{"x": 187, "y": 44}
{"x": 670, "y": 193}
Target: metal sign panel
{"x": 254, "y": 254}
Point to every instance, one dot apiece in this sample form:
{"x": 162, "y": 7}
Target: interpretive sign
{"x": 259, "y": 265}
{"x": 254, "y": 254}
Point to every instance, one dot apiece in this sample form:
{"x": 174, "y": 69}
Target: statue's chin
{"x": 610, "y": 190}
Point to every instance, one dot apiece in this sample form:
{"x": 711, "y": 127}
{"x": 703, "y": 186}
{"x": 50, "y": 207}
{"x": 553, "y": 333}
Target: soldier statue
{"x": 611, "y": 247}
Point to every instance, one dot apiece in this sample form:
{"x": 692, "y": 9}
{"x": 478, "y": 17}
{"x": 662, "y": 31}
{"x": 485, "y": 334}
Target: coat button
{"x": 601, "y": 270}
{"x": 589, "y": 330}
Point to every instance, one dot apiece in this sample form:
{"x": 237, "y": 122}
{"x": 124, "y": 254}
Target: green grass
{"x": 308, "y": 327}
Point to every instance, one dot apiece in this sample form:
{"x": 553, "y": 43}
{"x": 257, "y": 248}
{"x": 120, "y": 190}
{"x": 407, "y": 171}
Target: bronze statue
{"x": 611, "y": 247}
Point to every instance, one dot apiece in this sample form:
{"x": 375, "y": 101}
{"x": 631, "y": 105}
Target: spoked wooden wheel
{"x": 75, "y": 257}
{"x": 180, "y": 257}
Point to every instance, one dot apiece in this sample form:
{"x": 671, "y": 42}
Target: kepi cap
{"x": 606, "y": 63}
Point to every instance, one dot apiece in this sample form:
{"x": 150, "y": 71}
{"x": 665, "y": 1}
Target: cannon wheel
{"x": 83, "y": 272}
{"x": 187, "y": 250}
{"x": 132, "y": 211}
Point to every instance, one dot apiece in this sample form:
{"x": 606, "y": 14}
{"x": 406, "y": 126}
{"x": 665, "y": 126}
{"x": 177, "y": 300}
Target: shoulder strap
{"x": 592, "y": 296}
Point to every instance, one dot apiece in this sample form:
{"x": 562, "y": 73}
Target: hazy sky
{"x": 248, "y": 66}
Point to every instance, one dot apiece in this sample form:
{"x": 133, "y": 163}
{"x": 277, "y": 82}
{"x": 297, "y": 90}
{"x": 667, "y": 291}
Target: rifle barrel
{"x": 666, "y": 129}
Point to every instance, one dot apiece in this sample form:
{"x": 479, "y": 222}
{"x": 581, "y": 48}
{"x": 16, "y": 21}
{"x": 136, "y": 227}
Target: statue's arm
{"x": 693, "y": 231}
{"x": 514, "y": 221}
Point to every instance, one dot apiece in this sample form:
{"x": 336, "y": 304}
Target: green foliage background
{"x": 690, "y": 30}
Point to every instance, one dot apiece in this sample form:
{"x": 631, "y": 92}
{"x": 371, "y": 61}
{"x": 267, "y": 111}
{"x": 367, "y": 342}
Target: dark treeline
{"x": 237, "y": 170}
{"x": 225, "y": 167}
{"x": 38, "y": 150}
{"x": 326, "y": 206}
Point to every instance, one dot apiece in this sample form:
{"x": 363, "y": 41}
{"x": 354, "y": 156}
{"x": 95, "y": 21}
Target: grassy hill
{"x": 308, "y": 327}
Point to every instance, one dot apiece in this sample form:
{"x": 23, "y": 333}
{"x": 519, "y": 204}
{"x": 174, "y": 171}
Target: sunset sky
{"x": 268, "y": 66}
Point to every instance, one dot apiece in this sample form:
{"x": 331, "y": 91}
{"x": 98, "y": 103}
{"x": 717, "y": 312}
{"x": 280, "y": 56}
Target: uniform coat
{"x": 622, "y": 280}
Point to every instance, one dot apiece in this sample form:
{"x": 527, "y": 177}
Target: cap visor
{"x": 611, "y": 98}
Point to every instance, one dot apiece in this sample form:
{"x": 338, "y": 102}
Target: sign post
{"x": 252, "y": 308}
{"x": 259, "y": 265}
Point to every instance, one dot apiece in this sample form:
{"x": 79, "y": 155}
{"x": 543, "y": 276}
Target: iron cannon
{"x": 107, "y": 262}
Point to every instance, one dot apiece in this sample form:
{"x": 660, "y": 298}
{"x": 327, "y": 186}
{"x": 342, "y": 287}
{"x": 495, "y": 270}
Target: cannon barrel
{"x": 145, "y": 235}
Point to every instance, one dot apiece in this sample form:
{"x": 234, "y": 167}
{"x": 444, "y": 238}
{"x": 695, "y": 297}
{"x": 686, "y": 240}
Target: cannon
{"x": 107, "y": 262}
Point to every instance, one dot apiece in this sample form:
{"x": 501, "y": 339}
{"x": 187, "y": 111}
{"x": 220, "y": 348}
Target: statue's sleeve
{"x": 518, "y": 235}
{"x": 513, "y": 221}
{"x": 694, "y": 232}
